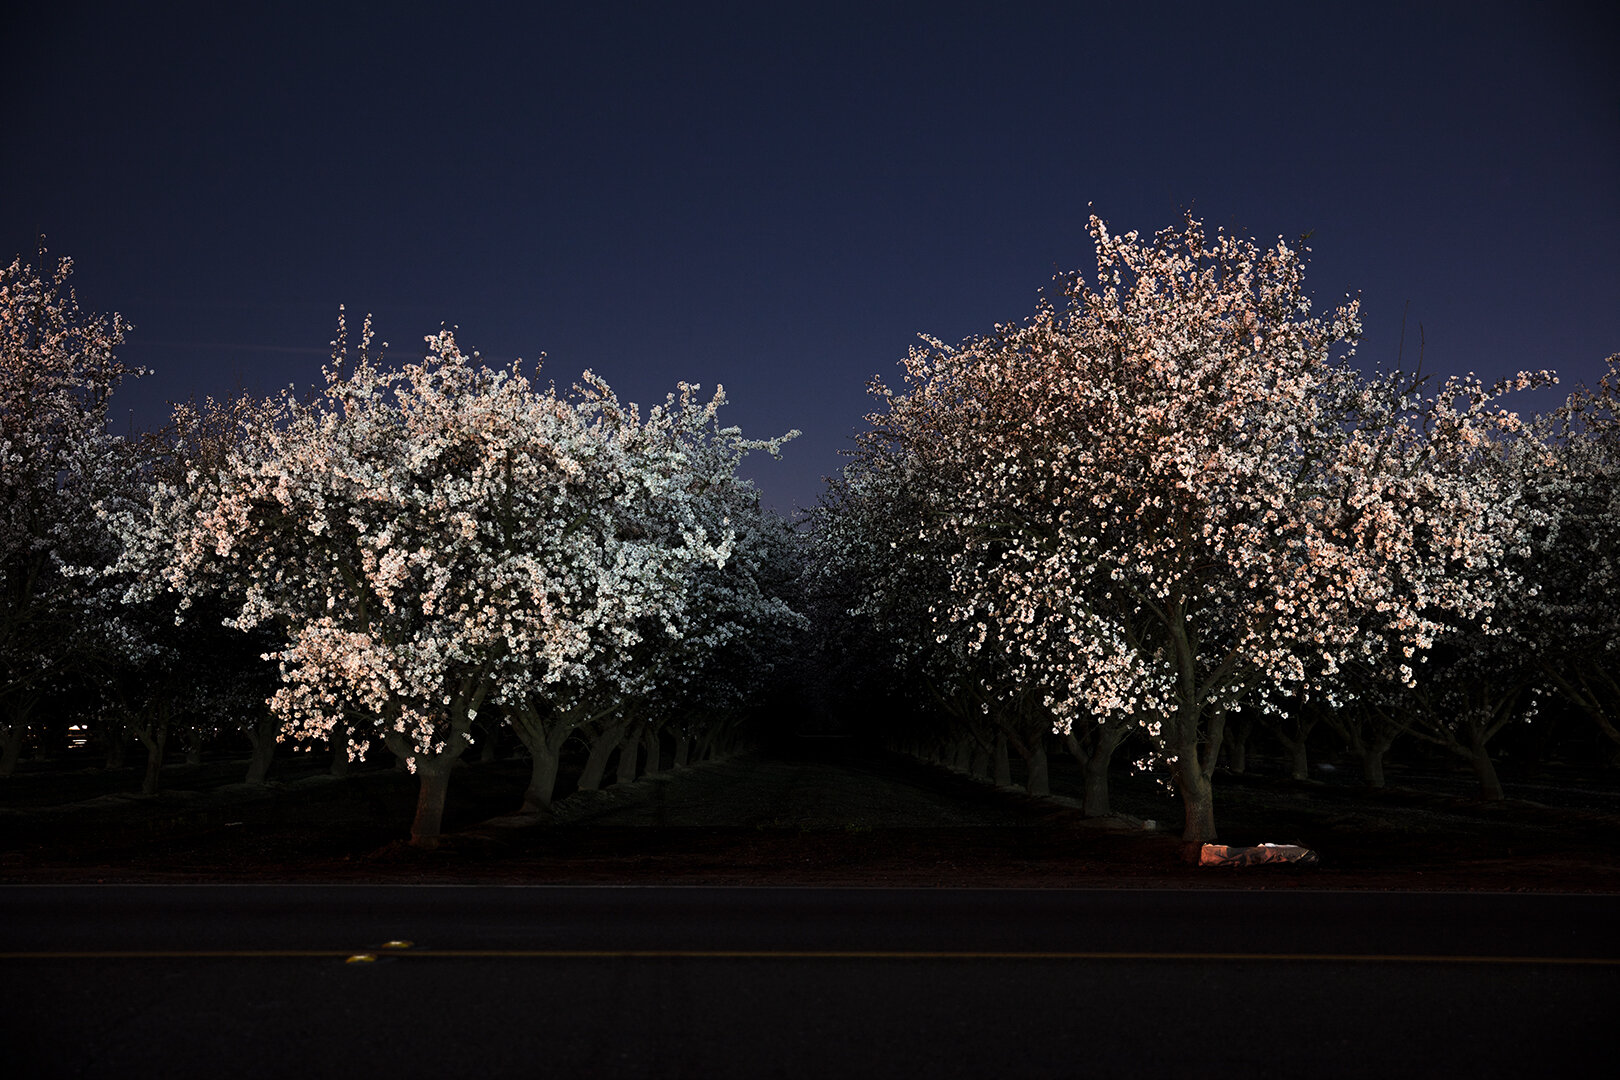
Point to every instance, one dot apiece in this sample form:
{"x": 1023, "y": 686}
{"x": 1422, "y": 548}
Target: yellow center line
{"x": 800, "y": 954}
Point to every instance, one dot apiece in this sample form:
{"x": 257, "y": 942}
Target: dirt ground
{"x": 816, "y": 812}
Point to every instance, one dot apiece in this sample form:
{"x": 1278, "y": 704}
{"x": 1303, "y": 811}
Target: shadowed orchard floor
{"x": 814, "y": 812}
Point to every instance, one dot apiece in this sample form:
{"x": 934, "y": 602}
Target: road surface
{"x": 347, "y": 981}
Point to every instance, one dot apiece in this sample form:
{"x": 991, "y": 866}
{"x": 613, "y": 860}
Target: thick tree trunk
{"x": 263, "y": 738}
{"x": 154, "y": 770}
{"x": 1237, "y": 745}
{"x": 1197, "y": 793}
{"x": 962, "y": 756}
{"x": 708, "y": 747}
{"x": 435, "y": 785}
{"x": 979, "y": 766}
{"x": 259, "y": 762}
{"x": 602, "y": 748}
{"x": 1037, "y": 782}
{"x": 542, "y": 734}
{"x": 543, "y": 763}
{"x": 683, "y": 750}
{"x": 629, "y": 750}
{"x": 155, "y": 741}
{"x": 1490, "y": 787}
{"x": 433, "y": 773}
{"x": 654, "y": 742}
{"x": 1299, "y": 765}
{"x": 1372, "y": 766}
{"x": 1198, "y": 804}
{"x": 1369, "y": 735}
{"x": 340, "y": 751}
{"x": 1003, "y": 763}
{"x": 1095, "y": 802}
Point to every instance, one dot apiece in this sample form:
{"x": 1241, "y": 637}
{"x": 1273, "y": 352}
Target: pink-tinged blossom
{"x": 441, "y": 535}
{"x": 1175, "y": 497}
{"x": 58, "y": 368}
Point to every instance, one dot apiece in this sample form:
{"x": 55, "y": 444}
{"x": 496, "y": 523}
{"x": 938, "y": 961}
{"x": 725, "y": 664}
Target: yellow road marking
{"x": 801, "y": 954}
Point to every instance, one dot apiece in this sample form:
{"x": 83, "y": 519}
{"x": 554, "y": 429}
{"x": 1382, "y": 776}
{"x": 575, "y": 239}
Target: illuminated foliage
{"x": 441, "y": 538}
{"x": 58, "y": 367}
{"x": 1175, "y": 498}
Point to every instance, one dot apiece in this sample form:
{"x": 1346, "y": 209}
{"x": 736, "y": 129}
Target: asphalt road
{"x": 251, "y": 981}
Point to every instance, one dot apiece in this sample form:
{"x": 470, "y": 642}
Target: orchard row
{"x": 1151, "y": 516}
{"x": 1173, "y": 507}
{"x": 405, "y": 559}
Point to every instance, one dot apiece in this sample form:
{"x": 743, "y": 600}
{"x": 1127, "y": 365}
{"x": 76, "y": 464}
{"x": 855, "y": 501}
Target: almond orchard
{"x": 1174, "y": 503}
{"x": 1168, "y": 510}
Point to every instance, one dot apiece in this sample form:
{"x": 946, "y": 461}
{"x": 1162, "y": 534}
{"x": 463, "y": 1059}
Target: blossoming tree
{"x": 433, "y": 540}
{"x": 58, "y": 368}
{"x": 1176, "y": 498}
{"x": 879, "y": 549}
{"x": 1571, "y": 617}
{"x": 648, "y": 651}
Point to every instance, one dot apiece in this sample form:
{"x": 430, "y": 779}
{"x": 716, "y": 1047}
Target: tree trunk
{"x": 154, "y": 769}
{"x": 542, "y": 777}
{"x": 1003, "y": 763}
{"x": 628, "y": 752}
{"x": 1237, "y": 745}
{"x": 340, "y": 750}
{"x": 1198, "y": 804}
{"x": 194, "y": 753}
{"x": 1372, "y": 766}
{"x": 602, "y": 748}
{"x": 962, "y": 757}
{"x": 979, "y": 766}
{"x": 683, "y": 750}
{"x": 542, "y": 734}
{"x": 655, "y": 751}
{"x": 155, "y": 741}
{"x": 435, "y": 784}
{"x": 1197, "y": 793}
{"x": 1037, "y": 783}
{"x": 1299, "y": 766}
{"x": 433, "y": 773}
{"x": 708, "y": 747}
{"x": 263, "y": 738}
{"x": 1095, "y": 802}
{"x": 1490, "y": 787}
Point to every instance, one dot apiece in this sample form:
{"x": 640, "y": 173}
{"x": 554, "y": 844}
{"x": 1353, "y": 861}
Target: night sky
{"x": 780, "y": 198}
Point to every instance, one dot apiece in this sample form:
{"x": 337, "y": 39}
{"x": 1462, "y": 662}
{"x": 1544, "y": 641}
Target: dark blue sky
{"x": 780, "y": 198}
